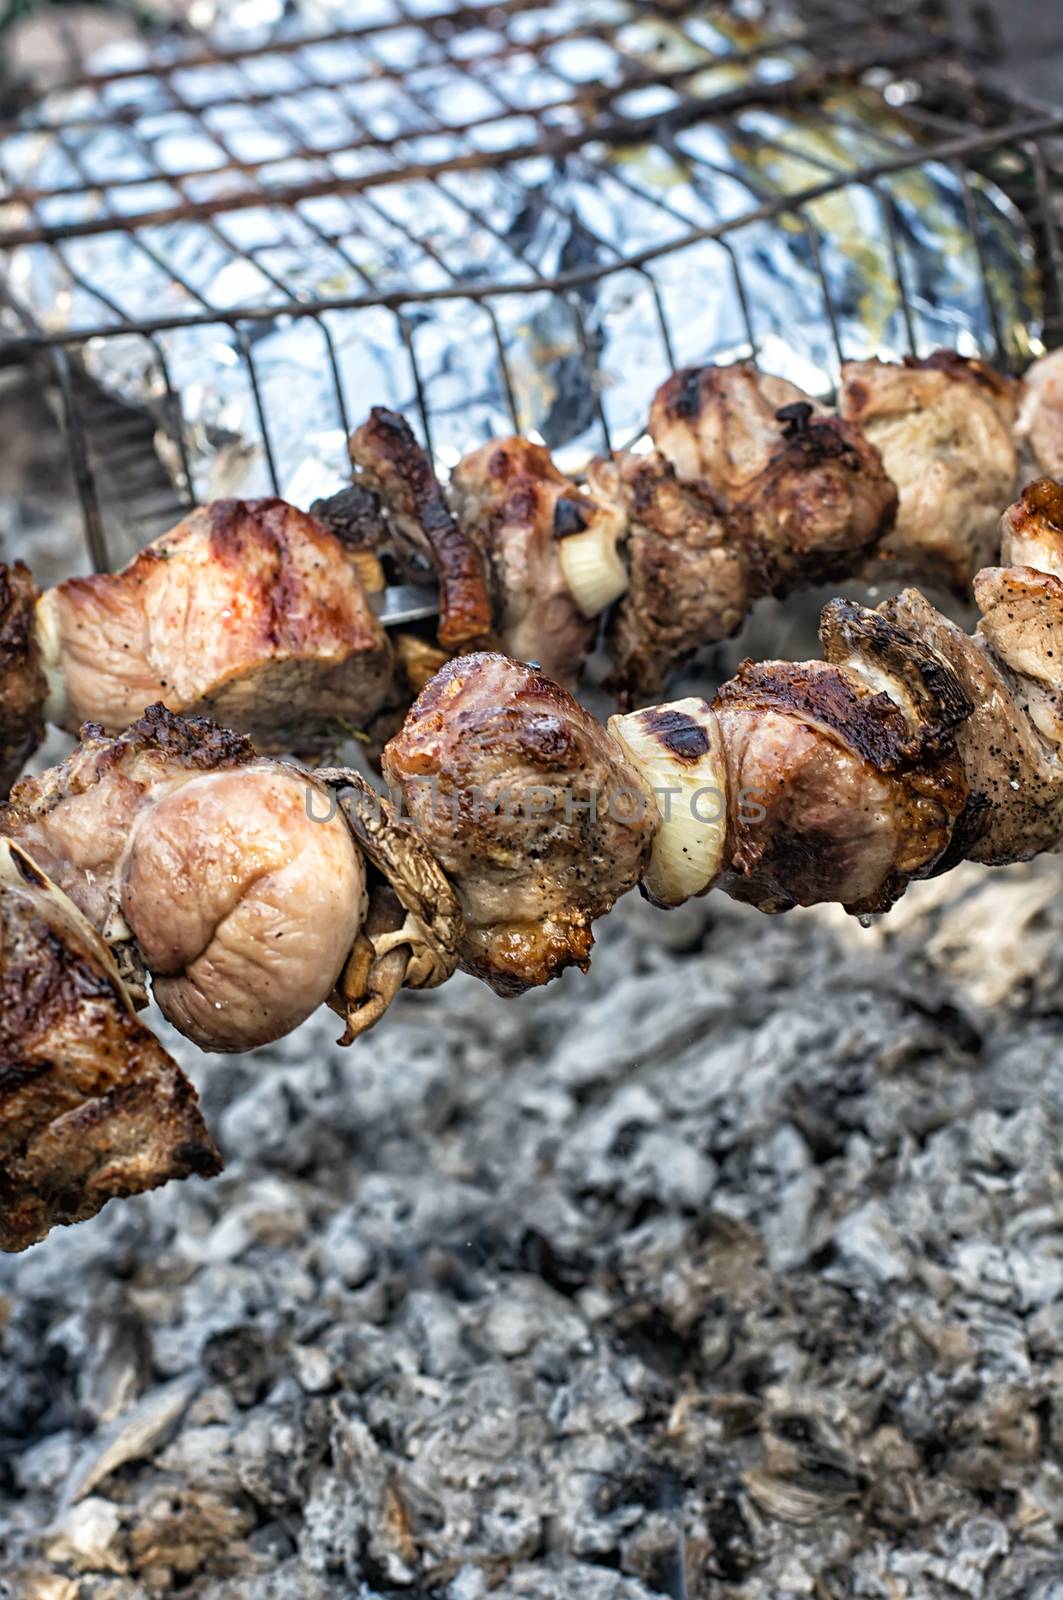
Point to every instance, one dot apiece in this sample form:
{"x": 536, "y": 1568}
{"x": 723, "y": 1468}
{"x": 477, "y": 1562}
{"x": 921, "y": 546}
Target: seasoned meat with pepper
{"x": 813, "y": 492}
{"x": 530, "y": 809}
{"x": 943, "y": 427}
{"x": 688, "y": 583}
{"x": 233, "y": 876}
{"x": 23, "y": 687}
{"x": 392, "y": 464}
{"x": 517, "y": 506}
{"x": 249, "y": 611}
{"x": 91, "y": 1105}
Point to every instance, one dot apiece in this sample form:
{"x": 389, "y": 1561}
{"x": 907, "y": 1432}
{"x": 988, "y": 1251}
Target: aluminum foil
{"x": 579, "y": 367}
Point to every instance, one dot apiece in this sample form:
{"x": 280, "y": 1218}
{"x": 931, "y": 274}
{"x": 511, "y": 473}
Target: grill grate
{"x": 401, "y": 166}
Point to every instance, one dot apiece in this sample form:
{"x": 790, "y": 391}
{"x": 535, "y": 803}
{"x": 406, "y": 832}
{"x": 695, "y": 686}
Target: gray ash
{"x": 731, "y": 1268}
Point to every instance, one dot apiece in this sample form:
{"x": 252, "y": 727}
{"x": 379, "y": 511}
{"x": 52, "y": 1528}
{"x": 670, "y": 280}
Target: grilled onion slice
{"x": 591, "y": 564}
{"x": 678, "y": 749}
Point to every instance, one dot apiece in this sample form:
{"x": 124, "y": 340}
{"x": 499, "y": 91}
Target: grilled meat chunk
{"x": 529, "y": 808}
{"x": 23, "y": 686}
{"x": 244, "y": 902}
{"x": 833, "y": 794}
{"x": 822, "y": 503}
{"x": 1040, "y": 425}
{"x": 1022, "y": 626}
{"x": 249, "y": 611}
{"x": 1031, "y": 530}
{"x": 1022, "y": 619}
{"x": 1015, "y": 780}
{"x": 235, "y": 876}
{"x": 392, "y": 464}
{"x": 77, "y": 819}
{"x": 813, "y": 491}
{"x": 91, "y": 1105}
{"x": 689, "y": 583}
{"x": 943, "y": 427}
{"x": 516, "y": 505}
{"x": 721, "y": 425}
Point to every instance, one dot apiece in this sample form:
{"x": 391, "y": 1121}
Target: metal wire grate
{"x": 491, "y": 167}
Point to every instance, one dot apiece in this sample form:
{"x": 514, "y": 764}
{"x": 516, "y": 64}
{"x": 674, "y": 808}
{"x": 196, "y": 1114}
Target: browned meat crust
{"x": 530, "y": 809}
{"x": 806, "y": 493}
{"x": 76, "y": 819}
{"x": 248, "y": 611}
{"x": 91, "y": 1105}
{"x": 720, "y": 425}
{"x": 821, "y": 503}
{"x": 23, "y": 688}
{"x": 516, "y": 505}
{"x": 689, "y": 584}
{"x": 394, "y": 465}
{"x": 1016, "y": 781}
{"x": 355, "y": 516}
{"x": 1031, "y": 530}
{"x": 833, "y": 794}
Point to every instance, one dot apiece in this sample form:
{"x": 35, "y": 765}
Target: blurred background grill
{"x": 220, "y": 246}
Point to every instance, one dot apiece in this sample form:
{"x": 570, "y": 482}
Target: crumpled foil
{"x": 583, "y": 364}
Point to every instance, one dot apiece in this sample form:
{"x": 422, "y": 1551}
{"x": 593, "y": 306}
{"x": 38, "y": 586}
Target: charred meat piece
{"x": 1040, "y": 425}
{"x": 721, "y": 425}
{"x": 821, "y": 503}
{"x": 357, "y": 519}
{"x": 516, "y": 505}
{"x": 234, "y": 877}
{"x": 1031, "y": 530}
{"x": 1015, "y": 779}
{"x": 23, "y": 686}
{"x": 830, "y": 795}
{"x": 394, "y": 466}
{"x": 688, "y": 579}
{"x": 813, "y": 490}
{"x": 529, "y": 808}
{"x": 91, "y": 1105}
{"x": 943, "y": 427}
{"x": 249, "y": 611}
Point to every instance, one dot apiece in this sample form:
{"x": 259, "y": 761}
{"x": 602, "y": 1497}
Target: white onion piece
{"x": 591, "y": 564}
{"x": 49, "y": 644}
{"x": 678, "y": 749}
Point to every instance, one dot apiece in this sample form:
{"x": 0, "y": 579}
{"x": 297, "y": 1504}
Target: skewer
{"x": 173, "y": 847}
{"x": 912, "y": 746}
{"x": 261, "y": 617}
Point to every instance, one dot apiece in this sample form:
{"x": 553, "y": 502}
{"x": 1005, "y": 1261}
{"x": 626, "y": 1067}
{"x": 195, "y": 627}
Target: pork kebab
{"x": 261, "y": 616}
{"x": 248, "y": 892}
